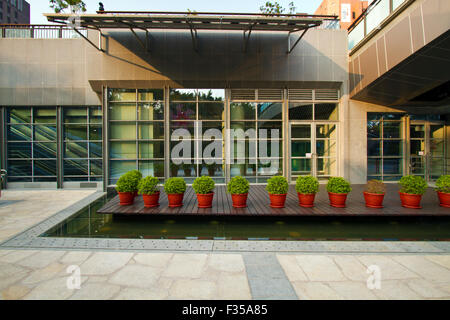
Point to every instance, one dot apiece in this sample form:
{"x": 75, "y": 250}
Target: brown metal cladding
{"x": 398, "y": 42}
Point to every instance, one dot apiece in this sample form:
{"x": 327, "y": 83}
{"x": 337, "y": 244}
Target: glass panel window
{"x": 123, "y": 150}
{"x": 82, "y": 141}
{"x": 211, "y": 95}
{"x": 326, "y": 111}
{"x": 149, "y": 131}
{"x": 152, "y": 168}
{"x": 270, "y": 111}
{"x": 392, "y": 130}
{"x": 19, "y": 150}
{"x": 122, "y": 95}
{"x": 75, "y": 115}
{"x": 19, "y": 115}
{"x": 19, "y": 132}
{"x": 122, "y": 111}
{"x": 243, "y": 111}
{"x": 211, "y": 111}
{"x": 76, "y": 150}
{"x": 151, "y": 111}
{"x": 95, "y": 114}
{"x": 183, "y": 94}
{"x": 31, "y": 143}
{"x": 136, "y": 134}
{"x": 123, "y": 131}
{"x": 183, "y": 111}
{"x": 44, "y": 115}
{"x": 151, "y": 150}
{"x": 44, "y": 150}
{"x": 75, "y": 132}
{"x": 300, "y": 111}
{"x": 150, "y": 95}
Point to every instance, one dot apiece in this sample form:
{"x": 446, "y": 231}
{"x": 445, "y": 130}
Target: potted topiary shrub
{"x": 307, "y": 187}
{"x": 443, "y": 190}
{"x": 238, "y": 188}
{"x": 204, "y": 188}
{"x": 135, "y": 177}
{"x": 277, "y": 187}
{"x": 125, "y": 188}
{"x": 175, "y": 188}
{"x": 148, "y": 187}
{"x": 338, "y": 188}
{"x": 412, "y": 189}
{"x": 374, "y": 194}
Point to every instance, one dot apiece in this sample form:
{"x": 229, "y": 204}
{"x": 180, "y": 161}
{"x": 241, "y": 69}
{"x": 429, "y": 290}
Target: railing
{"x": 371, "y": 19}
{"x": 39, "y": 31}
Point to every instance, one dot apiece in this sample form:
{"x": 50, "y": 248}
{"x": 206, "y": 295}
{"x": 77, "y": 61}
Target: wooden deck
{"x": 258, "y": 205}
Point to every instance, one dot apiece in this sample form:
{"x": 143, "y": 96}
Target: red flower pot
{"x": 374, "y": 200}
{"x": 277, "y": 200}
{"x": 411, "y": 201}
{"x": 175, "y": 200}
{"x": 306, "y": 200}
{"x": 337, "y": 200}
{"x": 205, "y": 200}
{"x": 444, "y": 199}
{"x": 151, "y": 200}
{"x": 126, "y": 198}
{"x": 239, "y": 200}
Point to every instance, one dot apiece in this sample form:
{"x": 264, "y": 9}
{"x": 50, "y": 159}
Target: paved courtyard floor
{"x": 53, "y": 273}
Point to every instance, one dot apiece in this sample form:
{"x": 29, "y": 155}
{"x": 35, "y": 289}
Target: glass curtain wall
{"x": 32, "y": 141}
{"x": 385, "y": 144}
{"x": 197, "y": 124}
{"x": 136, "y": 132}
{"x": 257, "y": 147}
{"x": 82, "y": 143}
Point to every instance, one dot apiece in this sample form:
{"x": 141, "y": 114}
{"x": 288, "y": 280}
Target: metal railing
{"x": 371, "y": 19}
{"x": 39, "y": 31}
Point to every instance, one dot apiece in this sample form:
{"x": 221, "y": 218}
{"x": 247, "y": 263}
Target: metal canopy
{"x": 246, "y": 22}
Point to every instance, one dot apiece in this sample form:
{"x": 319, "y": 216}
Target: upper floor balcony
{"x": 377, "y": 14}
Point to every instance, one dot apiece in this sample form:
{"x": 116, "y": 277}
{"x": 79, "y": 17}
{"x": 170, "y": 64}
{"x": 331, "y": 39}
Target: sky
{"x": 38, "y": 7}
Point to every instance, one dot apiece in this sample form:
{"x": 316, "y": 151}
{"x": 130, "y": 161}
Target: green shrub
{"x": 175, "y": 186}
{"x": 148, "y": 185}
{"x": 277, "y": 185}
{"x": 338, "y": 185}
{"x": 203, "y": 185}
{"x": 307, "y": 185}
{"x": 238, "y": 185}
{"x": 375, "y": 186}
{"x": 443, "y": 184}
{"x": 413, "y": 185}
{"x": 125, "y": 184}
{"x": 135, "y": 176}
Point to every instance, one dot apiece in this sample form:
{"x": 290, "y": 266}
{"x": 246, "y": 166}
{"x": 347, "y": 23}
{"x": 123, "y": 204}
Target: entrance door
{"x": 313, "y": 149}
{"x": 427, "y": 149}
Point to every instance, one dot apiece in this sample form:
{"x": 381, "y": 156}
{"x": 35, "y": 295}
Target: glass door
{"x": 313, "y": 150}
{"x": 427, "y": 149}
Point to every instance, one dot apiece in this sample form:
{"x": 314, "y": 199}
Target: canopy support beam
{"x": 194, "y": 36}
{"x": 246, "y": 38}
{"x": 99, "y": 48}
{"x": 290, "y": 49}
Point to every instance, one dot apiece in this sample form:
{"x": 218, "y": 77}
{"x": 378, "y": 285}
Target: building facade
{"x": 347, "y": 10}
{"x": 74, "y": 115}
{"x": 14, "y": 12}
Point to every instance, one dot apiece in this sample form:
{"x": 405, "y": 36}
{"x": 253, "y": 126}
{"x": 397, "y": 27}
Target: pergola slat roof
{"x": 246, "y": 22}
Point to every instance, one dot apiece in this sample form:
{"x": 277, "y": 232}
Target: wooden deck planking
{"x": 258, "y": 205}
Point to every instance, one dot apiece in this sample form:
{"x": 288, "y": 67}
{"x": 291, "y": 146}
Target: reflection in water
{"x": 88, "y": 224}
